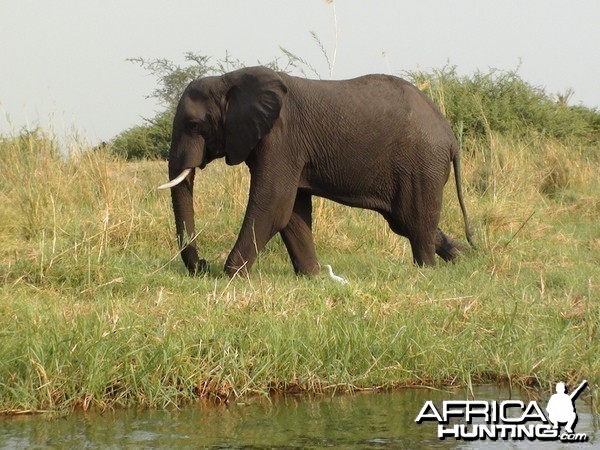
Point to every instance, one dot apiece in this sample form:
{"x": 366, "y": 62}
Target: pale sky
{"x": 62, "y": 62}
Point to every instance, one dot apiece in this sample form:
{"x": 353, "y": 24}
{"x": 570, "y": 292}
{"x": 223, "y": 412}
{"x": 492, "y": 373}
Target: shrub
{"x": 148, "y": 141}
{"x": 502, "y": 102}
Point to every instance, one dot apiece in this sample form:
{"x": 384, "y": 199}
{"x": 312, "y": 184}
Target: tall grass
{"x": 96, "y": 310}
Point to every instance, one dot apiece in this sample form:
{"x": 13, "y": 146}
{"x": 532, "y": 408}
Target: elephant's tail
{"x": 458, "y": 181}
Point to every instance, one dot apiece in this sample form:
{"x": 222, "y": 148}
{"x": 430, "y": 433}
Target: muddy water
{"x": 375, "y": 420}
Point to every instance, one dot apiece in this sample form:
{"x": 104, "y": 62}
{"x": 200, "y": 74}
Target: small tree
{"x": 173, "y": 78}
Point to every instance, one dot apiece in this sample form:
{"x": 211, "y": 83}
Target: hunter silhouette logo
{"x": 471, "y": 420}
{"x": 561, "y": 406}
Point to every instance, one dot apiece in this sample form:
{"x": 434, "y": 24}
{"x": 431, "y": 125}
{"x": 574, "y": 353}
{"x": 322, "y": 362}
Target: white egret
{"x": 335, "y": 277}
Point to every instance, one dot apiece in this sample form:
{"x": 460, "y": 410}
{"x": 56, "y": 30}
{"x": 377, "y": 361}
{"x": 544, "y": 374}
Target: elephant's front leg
{"x": 270, "y": 205}
{"x": 298, "y": 238}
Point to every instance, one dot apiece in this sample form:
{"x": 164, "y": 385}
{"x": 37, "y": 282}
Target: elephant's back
{"x": 368, "y": 95}
{"x": 372, "y": 108}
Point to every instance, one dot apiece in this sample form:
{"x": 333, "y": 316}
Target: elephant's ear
{"x": 254, "y": 101}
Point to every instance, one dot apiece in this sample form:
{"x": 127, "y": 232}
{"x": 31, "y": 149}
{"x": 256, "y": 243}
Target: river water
{"x": 366, "y": 420}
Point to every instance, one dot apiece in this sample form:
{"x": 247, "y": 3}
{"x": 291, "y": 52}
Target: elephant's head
{"x": 217, "y": 116}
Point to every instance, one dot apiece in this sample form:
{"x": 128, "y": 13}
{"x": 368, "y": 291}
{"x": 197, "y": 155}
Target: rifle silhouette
{"x": 577, "y": 391}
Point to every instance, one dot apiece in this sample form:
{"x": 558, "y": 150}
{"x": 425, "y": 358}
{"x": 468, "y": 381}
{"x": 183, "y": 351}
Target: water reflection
{"x": 375, "y": 420}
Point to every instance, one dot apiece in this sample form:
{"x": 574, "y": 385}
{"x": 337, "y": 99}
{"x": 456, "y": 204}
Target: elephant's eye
{"x": 198, "y": 126}
{"x": 193, "y": 127}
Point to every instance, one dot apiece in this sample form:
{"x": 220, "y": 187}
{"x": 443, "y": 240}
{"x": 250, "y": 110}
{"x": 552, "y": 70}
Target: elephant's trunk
{"x": 183, "y": 204}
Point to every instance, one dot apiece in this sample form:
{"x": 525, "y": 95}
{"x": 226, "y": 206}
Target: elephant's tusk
{"x": 175, "y": 181}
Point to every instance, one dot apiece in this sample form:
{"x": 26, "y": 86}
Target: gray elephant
{"x": 373, "y": 142}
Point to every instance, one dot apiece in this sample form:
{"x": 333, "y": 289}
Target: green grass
{"x": 96, "y": 309}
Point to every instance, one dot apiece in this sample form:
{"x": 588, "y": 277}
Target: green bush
{"x": 148, "y": 141}
{"x": 502, "y": 102}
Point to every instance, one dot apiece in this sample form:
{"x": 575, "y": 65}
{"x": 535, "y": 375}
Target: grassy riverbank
{"x": 96, "y": 309}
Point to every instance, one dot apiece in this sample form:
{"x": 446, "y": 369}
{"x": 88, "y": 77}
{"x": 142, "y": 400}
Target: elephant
{"x": 374, "y": 142}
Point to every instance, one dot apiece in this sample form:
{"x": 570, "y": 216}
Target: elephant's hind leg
{"x": 298, "y": 238}
{"x": 422, "y": 243}
{"x": 417, "y": 220}
{"x": 423, "y": 251}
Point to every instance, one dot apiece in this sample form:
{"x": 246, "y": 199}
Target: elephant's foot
{"x": 236, "y": 265}
{"x": 200, "y": 268}
{"x": 194, "y": 265}
{"x": 447, "y": 248}
{"x": 307, "y": 270}
{"x": 236, "y": 271}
